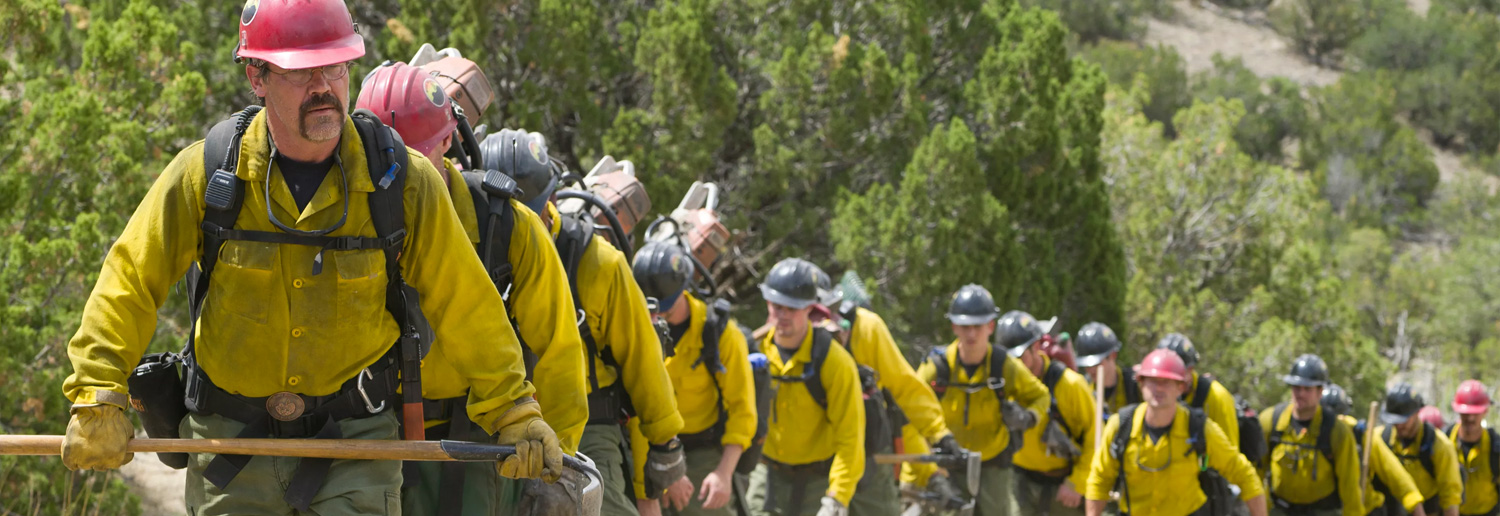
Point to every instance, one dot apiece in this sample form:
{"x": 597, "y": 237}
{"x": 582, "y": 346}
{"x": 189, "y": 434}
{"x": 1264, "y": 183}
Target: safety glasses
{"x": 301, "y": 76}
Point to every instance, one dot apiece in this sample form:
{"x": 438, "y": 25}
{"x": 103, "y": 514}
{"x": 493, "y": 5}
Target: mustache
{"x": 319, "y": 101}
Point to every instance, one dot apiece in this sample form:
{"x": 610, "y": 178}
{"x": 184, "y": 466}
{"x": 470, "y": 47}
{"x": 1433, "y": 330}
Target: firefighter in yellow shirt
{"x": 1389, "y": 478}
{"x": 710, "y": 370}
{"x": 537, "y": 294}
{"x": 869, "y": 340}
{"x": 1204, "y": 392}
{"x": 1312, "y": 462}
{"x": 815, "y": 439}
{"x": 988, "y": 397}
{"x": 1477, "y": 449}
{"x": 1098, "y": 351}
{"x": 293, "y": 336}
{"x": 1151, "y": 457}
{"x": 626, "y": 376}
{"x": 1425, "y": 452}
{"x": 1053, "y": 464}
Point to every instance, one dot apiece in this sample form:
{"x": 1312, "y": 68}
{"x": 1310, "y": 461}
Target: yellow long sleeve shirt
{"x": 615, "y": 311}
{"x": 1446, "y": 483}
{"x": 1300, "y": 474}
{"x": 1480, "y": 495}
{"x": 1387, "y": 468}
{"x": 872, "y": 345}
{"x": 801, "y": 431}
{"x": 974, "y": 417}
{"x": 1219, "y": 407}
{"x": 1076, "y": 402}
{"x": 269, "y": 324}
{"x": 542, "y": 305}
{"x": 1172, "y": 489}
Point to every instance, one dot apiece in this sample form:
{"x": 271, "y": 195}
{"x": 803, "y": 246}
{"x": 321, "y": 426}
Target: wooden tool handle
{"x": 319, "y": 448}
{"x": 1364, "y": 460}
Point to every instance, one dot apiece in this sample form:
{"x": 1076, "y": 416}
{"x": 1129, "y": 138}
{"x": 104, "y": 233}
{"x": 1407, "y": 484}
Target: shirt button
{"x": 297, "y": 283}
{"x": 293, "y": 381}
{"x": 296, "y": 332}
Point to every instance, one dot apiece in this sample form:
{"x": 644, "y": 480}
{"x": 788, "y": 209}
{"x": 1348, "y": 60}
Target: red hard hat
{"x": 297, "y": 34}
{"x": 1472, "y": 398}
{"x": 1162, "y": 363}
{"x": 1432, "y": 416}
{"x": 410, "y": 100}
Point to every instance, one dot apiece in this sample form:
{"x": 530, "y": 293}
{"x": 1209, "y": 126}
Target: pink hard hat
{"x": 296, "y": 34}
{"x": 409, "y": 100}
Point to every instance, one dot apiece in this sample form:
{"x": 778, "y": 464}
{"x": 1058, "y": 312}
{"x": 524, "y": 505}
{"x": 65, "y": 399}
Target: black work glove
{"x": 664, "y": 465}
{"x": 1016, "y": 417}
{"x": 1058, "y": 443}
{"x": 943, "y": 490}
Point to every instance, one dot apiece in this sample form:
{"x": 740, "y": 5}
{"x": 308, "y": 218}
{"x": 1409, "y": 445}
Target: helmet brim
{"x": 1091, "y": 360}
{"x": 970, "y": 320}
{"x": 347, "y": 48}
{"x": 1157, "y": 374}
{"x": 1462, "y": 408}
{"x": 1017, "y": 351}
{"x": 774, "y": 296}
{"x": 1298, "y": 381}
{"x": 1391, "y": 418}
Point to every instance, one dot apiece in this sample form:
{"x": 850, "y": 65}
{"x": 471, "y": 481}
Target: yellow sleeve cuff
{"x": 1412, "y": 500}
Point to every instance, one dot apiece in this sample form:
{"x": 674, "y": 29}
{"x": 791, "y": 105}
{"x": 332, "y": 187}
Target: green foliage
{"x": 1103, "y": 19}
{"x": 1244, "y": 4}
{"x": 1274, "y": 109}
{"x": 1371, "y": 168}
{"x": 1217, "y": 247}
{"x": 1160, "y": 69}
{"x": 1323, "y": 29}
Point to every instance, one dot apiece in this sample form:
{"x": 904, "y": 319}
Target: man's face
{"x": 1307, "y": 398}
{"x": 1092, "y": 372}
{"x": 1032, "y": 357}
{"x": 974, "y": 334}
{"x": 314, "y": 108}
{"x": 436, "y": 156}
{"x": 1161, "y": 392}
{"x": 1472, "y": 419}
{"x": 791, "y": 323}
{"x": 1409, "y": 428}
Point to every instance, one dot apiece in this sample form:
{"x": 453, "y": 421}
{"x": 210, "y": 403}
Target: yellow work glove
{"x": 96, "y": 438}
{"x": 538, "y": 454}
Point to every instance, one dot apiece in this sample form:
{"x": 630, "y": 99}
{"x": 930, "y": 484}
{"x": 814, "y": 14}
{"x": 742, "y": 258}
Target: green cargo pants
{"x": 700, "y": 462}
{"x": 781, "y": 487}
{"x": 877, "y": 493}
{"x": 995, "y": 485}
{"x": 603, "y": 444}
{"x": 424, "y": 497}
{"x": 1039, "y": 498}
{"x": 352, "y": 487}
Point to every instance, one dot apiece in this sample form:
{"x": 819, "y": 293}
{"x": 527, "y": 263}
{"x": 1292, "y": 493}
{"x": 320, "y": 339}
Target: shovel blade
{"x": 972, "y": 475}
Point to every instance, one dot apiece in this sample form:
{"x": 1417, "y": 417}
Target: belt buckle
{"x": 285, "y": 406}
{"x": 359, "y": 385}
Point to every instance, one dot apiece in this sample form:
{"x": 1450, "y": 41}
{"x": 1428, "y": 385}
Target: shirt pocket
{"x": 362, "y": 284}
{"x": 242, "y": 279}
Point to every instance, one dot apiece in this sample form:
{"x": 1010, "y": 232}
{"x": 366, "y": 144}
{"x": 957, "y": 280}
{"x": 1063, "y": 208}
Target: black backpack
{"x": 882, "y": 417}
{"x": 715, "y": 323}
{"x": 1252, "y": 437}
{"x": 942, "y": 378}
{"x": 1221, "y": 498}
{"x": 1324, "y": 443}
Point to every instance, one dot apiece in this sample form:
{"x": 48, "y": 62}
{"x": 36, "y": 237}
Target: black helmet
{"x": 1016, "y": 331}
{"x": 1307, "y": 371}
{"x": 972, "y": 305}
{"x": 1180, "y": 345}
{"x": 793, "y": 283}
{"x": 663, "y": 271}
{"x": 1400, "y": 404}
{"x": 1094, "y": 344}
{"x": 523, "y": 157}
{"x": 1336, "y": 400}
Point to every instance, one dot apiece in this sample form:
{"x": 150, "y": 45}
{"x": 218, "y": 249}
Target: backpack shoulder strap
{"x": 492, "y": 192}
{"x": 1424, "y": 451}
{"x": 223, "y": 195}
{"x": 1200, "y": 393}
{"x": 1273, "y": 435}
{"x": 572, "y": 240}
{"x": 812, "y": 374}
{"x": 1054, "y": 374}
{"x": 1197, "y": 420}
{"x": 1494, "y": 454}
{"x": 1325, "y": 436}
{"x": 714, "y": 325}
{"x": 998, "y": 364}
{"x": 942, "y": 373}
{"x": 388, "y": 164}
{"x": 1122, "y": 434}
